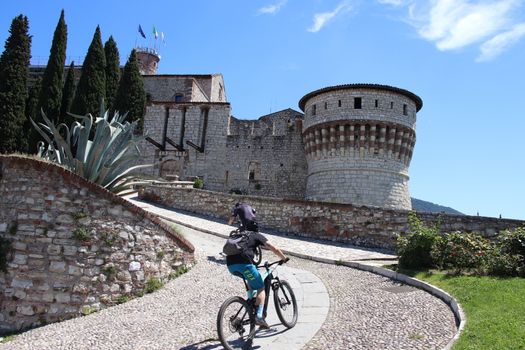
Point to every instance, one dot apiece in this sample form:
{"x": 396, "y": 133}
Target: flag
{"x": 155, "y": 34}
{"x": 142, "y": 32}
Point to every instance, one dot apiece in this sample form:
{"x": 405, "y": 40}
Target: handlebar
{"x": 279, "y": 262}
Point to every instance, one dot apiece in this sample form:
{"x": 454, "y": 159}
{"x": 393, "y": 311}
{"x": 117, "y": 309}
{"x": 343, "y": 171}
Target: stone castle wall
{"x": 356, "y": 225}
{"x": 340, "y": 151}
{"x": 266, "y": 156}
{"x": 74, "y": 247}
{"x": 358, "y": 143}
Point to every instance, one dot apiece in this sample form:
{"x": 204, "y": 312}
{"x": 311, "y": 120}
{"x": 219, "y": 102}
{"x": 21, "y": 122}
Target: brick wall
{"x": 74, "y": 247}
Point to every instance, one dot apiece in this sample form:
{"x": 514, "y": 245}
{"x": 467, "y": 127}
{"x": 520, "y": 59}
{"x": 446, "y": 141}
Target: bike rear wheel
{"x": 285, "y": 304}
{"x": 236, "y": 324}
{"x": 257, "y": 257}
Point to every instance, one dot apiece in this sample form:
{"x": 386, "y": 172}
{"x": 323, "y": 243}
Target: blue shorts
{"x": 250, "y": 274}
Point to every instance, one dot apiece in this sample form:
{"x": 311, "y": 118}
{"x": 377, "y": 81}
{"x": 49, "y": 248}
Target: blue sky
{"x": 464, "y": 58}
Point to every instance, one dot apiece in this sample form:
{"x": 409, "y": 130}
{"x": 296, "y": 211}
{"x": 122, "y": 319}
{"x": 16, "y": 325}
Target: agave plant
{"x": 107, "y": 160}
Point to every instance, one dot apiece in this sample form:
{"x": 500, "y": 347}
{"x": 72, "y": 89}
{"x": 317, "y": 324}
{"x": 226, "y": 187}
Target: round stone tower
{"x": 358, "y": 141}
{"x": 148, "y": 60}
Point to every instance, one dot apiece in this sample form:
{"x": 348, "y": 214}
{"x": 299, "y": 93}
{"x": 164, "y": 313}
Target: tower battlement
{"x": 148, "y": 60}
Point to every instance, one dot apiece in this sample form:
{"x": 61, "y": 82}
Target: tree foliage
{"x": 50, "y": 98}
{"x": 91, "y": 87}
{"x": 112, "y": 71}
{"x": 30, "y": 112}
{"x": 67, "y": 95}
{"x": 14, "y": 66}
{"x": 131, "y": 96}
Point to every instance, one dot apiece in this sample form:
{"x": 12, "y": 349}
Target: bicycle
{"x": 257, "y": 257}
{"x": 236, "y": 317}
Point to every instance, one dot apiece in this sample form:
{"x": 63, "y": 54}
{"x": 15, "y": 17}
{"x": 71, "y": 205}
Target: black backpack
{"x": 236, "y": 244}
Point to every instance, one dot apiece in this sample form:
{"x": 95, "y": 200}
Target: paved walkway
{"x": 308, "y": 248}
{"x": 339, "y": 308}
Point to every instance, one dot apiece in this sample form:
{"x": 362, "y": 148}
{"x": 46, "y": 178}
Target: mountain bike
{"x": 236, "y": 318}
{"x": 257, "y": 257}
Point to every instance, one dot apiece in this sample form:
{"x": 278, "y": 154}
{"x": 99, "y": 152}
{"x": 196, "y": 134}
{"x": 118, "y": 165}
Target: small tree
{"x": 14, "y": 64}
{"x": 91, "y": 88}
{"x": 131, "y": 95}
{"x": 67, "y": 95}
{"x": 50, "y": 97}
{"x": 112, "y": 71}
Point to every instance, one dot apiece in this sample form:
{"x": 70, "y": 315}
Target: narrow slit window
{"x": 314, "y": 109}
{"x": 405, "y": 109}
{"x": 326, "y": 105}
{"x": 339, "y": 103}
{"x": 377, "y": 103}
{"x": 391, "y": 105}
{"x": 357, "y": 102}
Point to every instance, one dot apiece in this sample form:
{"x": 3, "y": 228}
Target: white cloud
{"x": 321, "y": 19}
{"x": 272, "y": 9}
{"x": 453, "y": 24}
{"x": 391, "y": 2}
{"x": 501, "y": 42}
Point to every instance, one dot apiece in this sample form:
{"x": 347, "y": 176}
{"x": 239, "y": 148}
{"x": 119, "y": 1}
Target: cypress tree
{"x": 14, "y": 68}
{"x": 67, "y": 96}
{"x": 131, "y": 96}
{"x": 33, "y": 112}
{"x": 91, "y": 87}
{"x": 112, "y": 71}
{"x": 50, "y": 97}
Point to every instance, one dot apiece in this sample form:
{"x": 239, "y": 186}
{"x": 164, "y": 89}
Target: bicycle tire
{"x": 241, "y": 336}
{"x": 284, "y": 298}
{"x": 257, "y": 257}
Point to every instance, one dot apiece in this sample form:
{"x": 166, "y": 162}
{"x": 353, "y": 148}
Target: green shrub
{"x": 110, "y": 271}
{"x": 461, "y": 251}
{"x": 153, "y": 284}
{"x": 198, "y": 183}
{"x": 124, "y": 299}
{"x": 414, "y": 248}
{"x": 81, "y": 234}
{"x": 502, "y": 264}
{"x": 508, "y": 256}
{"x": 513, "y": 242}
{"x": 79, "y": 215}
{"x": 178, "y": 271}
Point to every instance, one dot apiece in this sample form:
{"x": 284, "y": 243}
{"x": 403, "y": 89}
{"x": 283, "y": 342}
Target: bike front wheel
{"x": 236, "y": 324}
{"x": 285, "y": 304}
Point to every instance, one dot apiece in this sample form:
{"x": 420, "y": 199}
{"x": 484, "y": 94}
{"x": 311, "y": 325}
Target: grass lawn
{"x": 495, "y": 309}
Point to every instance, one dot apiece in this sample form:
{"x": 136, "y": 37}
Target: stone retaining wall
{"x": 362, "y": 226}
{"x": 74, "y": 247}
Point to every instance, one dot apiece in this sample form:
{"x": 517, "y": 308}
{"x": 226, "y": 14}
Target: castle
{"x": 352, "y": 143}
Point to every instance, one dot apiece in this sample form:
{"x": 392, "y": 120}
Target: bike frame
{"x": 271, "y": 283}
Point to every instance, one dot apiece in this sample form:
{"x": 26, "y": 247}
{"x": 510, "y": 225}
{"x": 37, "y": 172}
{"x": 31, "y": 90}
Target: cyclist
{"x": 243, "y": 264}
{"x": 246, "y": 214}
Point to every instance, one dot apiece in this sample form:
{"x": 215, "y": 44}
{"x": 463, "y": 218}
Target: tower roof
{"x": 412, "y": 96}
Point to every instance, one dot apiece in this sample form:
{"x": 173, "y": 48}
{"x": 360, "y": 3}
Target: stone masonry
{"x": 74, "y": 247}
{"x": 356, "y": 225}
{"x": 358, "y": 142}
